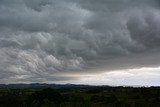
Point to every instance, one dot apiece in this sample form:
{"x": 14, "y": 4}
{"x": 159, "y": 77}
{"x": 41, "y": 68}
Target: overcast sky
{"x": 98, "y": 42}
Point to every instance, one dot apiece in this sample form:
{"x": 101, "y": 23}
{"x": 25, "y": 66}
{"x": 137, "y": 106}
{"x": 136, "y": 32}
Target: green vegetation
{"x": 80, "y": 97}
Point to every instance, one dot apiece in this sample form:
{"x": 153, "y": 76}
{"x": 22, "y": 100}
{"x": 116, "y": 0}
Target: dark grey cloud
{"x": 39, "y": 39}
{"x": 146, "y": 30}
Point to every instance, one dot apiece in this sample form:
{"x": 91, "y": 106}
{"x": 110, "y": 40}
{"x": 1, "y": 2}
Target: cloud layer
{"x": 40, "y": 39}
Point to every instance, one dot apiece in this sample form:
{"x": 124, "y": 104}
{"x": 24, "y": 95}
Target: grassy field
{"x": 80, "y": 97}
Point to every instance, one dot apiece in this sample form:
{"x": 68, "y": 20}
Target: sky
{"x": 95, "y": 42}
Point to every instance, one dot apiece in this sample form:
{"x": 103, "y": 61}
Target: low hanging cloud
{"x": 39, "y": 39}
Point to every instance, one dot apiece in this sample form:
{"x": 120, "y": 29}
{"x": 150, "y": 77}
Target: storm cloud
{"x": 41, "y": 39}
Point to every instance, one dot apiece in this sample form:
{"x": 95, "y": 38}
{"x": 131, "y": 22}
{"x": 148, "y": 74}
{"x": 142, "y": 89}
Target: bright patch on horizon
{"x": 130, "y": 77}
